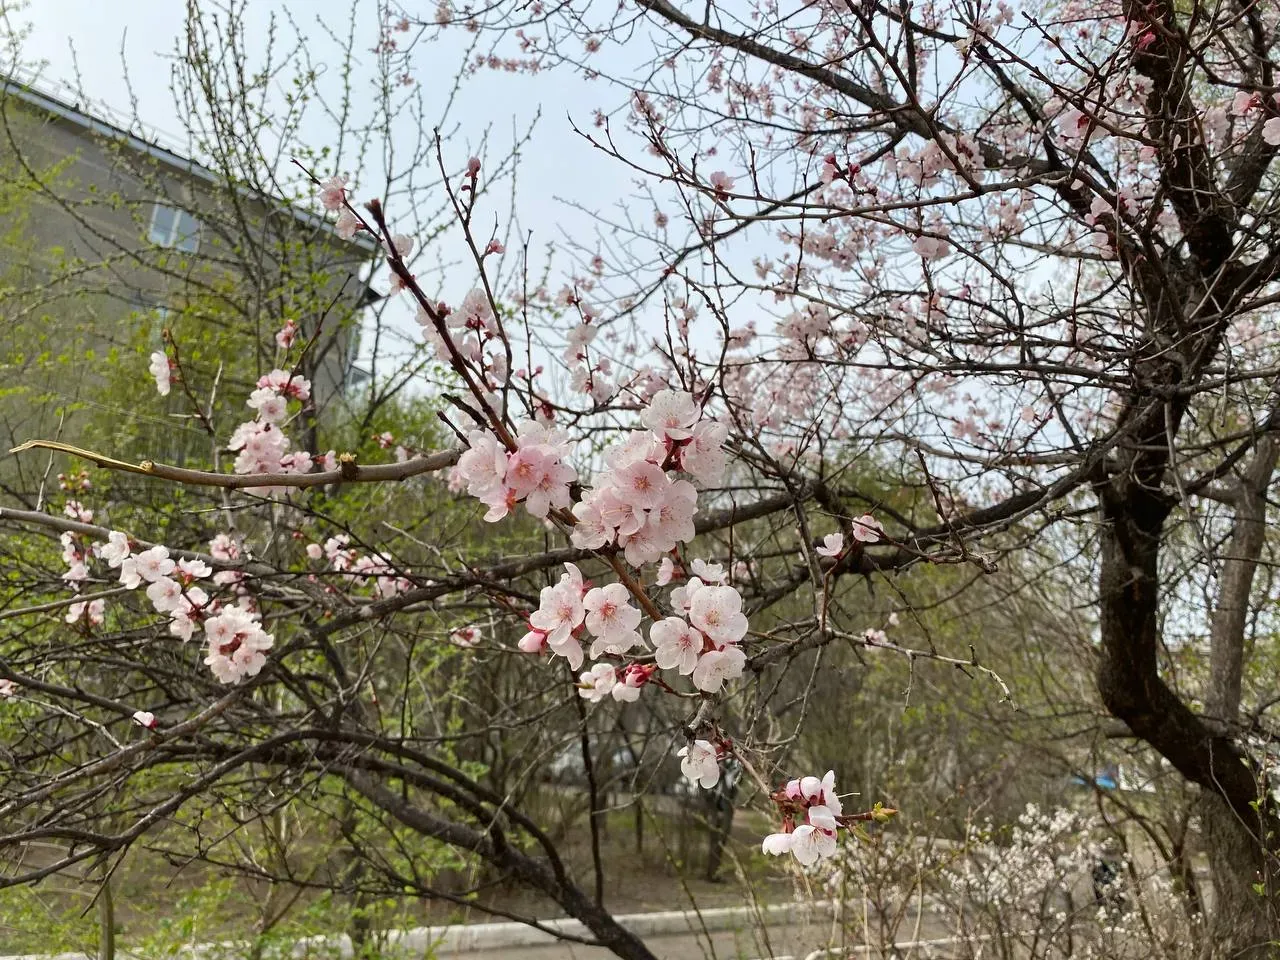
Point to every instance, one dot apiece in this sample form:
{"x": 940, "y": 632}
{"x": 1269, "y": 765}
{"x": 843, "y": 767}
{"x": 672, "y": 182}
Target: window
{"x": 172, "y": 227}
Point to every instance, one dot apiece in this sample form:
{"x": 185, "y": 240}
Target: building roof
{"x": 78, "y": 116}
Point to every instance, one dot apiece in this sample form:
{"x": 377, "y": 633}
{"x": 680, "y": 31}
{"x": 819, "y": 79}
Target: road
{"x": 725, "y": 945}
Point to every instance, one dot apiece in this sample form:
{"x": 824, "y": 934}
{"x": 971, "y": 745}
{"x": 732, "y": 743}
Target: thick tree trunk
{"x": 1242, "y": 921}
{"x": 1244, "y": 824}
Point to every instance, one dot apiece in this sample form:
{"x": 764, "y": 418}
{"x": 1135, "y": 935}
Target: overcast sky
{"x": 560, "y": 177}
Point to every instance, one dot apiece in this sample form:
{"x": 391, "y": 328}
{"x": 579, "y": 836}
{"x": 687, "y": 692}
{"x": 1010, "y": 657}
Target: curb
{"x": 468, "y": 938}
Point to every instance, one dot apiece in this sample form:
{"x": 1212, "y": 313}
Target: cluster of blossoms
{"x": 571, "y": 607}
{"x": 76, "y": 558}
{"x": 700, "y": 763}
{"x": 333, "y": 196}
{"x": 469, "y": 329}
{"x": 639, "y": 506}
{"x": 623, "y": 685}
{"x": 162, "y": 371}
{"x": 635, "y": 503}
{"x": 237, "y": 642}
{"x": 703, "y": 647}
{"x": 534, "y": 471}
{"x": 261, "y": 444}
{"x": 358, "y": 567}
{"x": 811, "y": 814}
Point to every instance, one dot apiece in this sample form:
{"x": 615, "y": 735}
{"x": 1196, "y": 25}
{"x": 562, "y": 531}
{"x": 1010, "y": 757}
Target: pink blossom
{"x": 609, "y": 612}
{"x": 867, "y": 529}
{"x": 666, "y": 570}
{"x": 286, "y": 335}
{"x": 682, "y": 597}
{"x": 699, "y": 763}
{"x": 164, "y": 594}
{"x": 270, "y": 405}
{"x": 707, "y": 572}
{"x": 346, "y": 225}
{"x": 237, "y": 644}
{"x": 466, "y": 637}
{"x": 160, "y": 370}
{"x": 94, "y": 611}
{"x": 717, "y": 612}
{"x": 560, "y": 608}
{"x": 535, "y": 641}
{"x": 1271, "y": 131}
{"x": 776, "y": 844}
{"x": 717, "y": 666}
{"x": 129, "y": 575}
{"x": 190, "y": 570}
{"x": 77, "y": 572}
{"x": 810, "y": 844}
{"x": 401, "y": 244}
{"x": 595, "y": 684}
{"x": 671, "y": 414}
{"x": 483, "y": 465}
{"x": 627, "y": 689}
{"x": 721, "y": 182}
{"x": 115, "y": 550}
{"x": 144, "y": 719}
{"x": 333, "y": 193}
{"x": 832, "y": 545}
{"x": 676, "y": 645}
{"x": 153, "y": 564}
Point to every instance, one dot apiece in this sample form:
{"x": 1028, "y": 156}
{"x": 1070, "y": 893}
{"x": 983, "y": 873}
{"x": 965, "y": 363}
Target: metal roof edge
{"x": 77, "y": 116}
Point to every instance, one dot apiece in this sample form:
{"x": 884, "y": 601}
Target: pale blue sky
{"x": 557, "y": 173}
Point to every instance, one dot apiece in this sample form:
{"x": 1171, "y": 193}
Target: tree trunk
{"x": 1134, "y": 513}
{"x": 1242, "y": 921}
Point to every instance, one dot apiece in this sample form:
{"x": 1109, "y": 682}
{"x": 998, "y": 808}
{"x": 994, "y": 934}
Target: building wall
{"x": 84, "y": 294}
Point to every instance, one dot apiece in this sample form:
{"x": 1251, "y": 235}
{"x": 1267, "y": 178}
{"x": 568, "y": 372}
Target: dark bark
{"x": 1241, "y": 919}
{"x": 492, "y": 846}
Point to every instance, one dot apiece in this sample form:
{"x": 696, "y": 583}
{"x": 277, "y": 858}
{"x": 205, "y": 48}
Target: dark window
{"x": 173, "y": 227}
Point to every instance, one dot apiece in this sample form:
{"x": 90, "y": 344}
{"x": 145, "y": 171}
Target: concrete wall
{"x": 84, "y": 293}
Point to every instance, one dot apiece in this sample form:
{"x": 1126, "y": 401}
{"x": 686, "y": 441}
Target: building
{"x": 109, "y": 237}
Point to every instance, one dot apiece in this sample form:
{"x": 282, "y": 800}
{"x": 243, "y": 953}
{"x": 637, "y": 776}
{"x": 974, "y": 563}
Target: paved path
{"x": 795, "y": 942}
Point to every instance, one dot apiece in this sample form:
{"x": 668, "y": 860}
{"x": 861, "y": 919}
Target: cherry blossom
{"x": 699, "y": 764}
{"x": 716, "y": 666}
{"x": 671, "y": 414}
{"x": 809, "y": 844}
{"x": 161, "y": 372}
{"x": 466, "y": 637}
{"x": 717, "y": 612}
{"x": 666, "y": 570}
{"x": 816, "y": 801}
{"x": 93, "y": 611}
{"x": 609, "y": 614}
{"x": 164, "y": 594}
{"x": 333, "y": 193}
{"x": 153, "y": 564}
{"x": 560, "y": 612}
{"x": 286, "y": 335}
{"x": 237, "y": 644}
{"x": 346, "y": 225}
{"x": 8, "y": 688}
{"x": 832, "y": 545}
{"x": 627, "y": 689}
{"x": 595, "y": 684}
{"x": 144, "y": 719}
{"x": 190, "y": 570}
{"x": 721, "y": 182}
{"x": 676, "y": 645}
{"x": 867, "y": 529}
{"x": 708, "y": 572}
